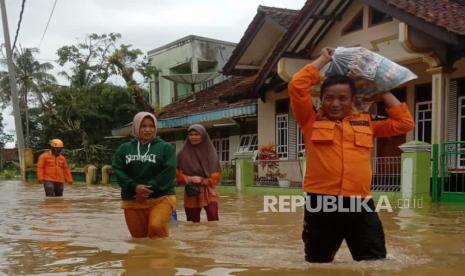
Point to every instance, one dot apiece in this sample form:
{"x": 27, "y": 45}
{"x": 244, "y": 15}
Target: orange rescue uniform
{"x": 339, "y": 152}
{"x": 53, "y": 168}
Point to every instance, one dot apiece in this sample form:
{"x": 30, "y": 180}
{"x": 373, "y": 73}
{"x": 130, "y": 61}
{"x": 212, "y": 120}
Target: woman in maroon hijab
{"x": 199, "y": 169}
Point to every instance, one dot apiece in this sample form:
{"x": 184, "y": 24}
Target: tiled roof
{"x": 210, "y": 99}
{"x": 448, "y": 14}
{"x": 283, "y": 17}
{"x": 282, "y": 44}
{"x": 10, "y": 154}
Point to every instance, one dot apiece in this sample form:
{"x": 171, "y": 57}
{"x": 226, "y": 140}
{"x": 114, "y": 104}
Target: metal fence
{"x": 228, "y": 173}
{"x": 386, "y": 174}
{"x": 453, "y": 167}
{"x": 288, "y": 173}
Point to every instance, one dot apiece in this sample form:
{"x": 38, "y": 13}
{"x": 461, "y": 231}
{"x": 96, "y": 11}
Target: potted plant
{"x": 268, "y": 161}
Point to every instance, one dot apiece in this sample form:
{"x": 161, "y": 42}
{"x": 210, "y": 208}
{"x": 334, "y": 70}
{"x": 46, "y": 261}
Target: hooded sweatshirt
{"x": 152, "y": 164}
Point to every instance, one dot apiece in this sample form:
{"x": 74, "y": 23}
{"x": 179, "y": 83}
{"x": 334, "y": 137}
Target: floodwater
{"x": 84, "y": 233}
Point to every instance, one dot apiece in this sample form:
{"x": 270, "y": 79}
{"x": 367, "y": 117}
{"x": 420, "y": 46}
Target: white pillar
{"x": 440, "y": 90}
{"x": 411, "y": 105}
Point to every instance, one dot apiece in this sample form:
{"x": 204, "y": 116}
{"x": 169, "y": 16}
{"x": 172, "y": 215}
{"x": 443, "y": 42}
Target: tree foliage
{"x": 4, "y": 137}
{"x": 128, "y": 61}
{"x": 98, "y": 57}
{"x": 84, "y": 116}
{"x": 33, "y": 79}
{"x": 84, "y": 112}
{"x": 89, "y": 59}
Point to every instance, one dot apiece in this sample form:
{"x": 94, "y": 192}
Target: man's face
{"x": 56, "y": 151}
{"x": 337, "y": 101}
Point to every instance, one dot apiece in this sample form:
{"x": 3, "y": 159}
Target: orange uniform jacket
{"x": 339, "y": 152}
{"x": 53, "y": 168}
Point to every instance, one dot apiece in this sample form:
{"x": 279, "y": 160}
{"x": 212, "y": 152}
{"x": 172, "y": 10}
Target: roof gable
{"x": 317, "y": 17}
{"x": 267, "y": 27}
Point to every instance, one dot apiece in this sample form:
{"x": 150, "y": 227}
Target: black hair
{"x": 337, "y": 79}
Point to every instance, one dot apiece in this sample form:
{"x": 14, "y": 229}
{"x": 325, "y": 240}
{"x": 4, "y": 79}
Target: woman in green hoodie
{"x": 146, "y": 171}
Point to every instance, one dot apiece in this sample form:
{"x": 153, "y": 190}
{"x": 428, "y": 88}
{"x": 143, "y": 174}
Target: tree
{"x": 89, "y": 59}
{"x": 128, "y": 61}
{"x": 32, "y": 77}
{"x": 83, "y": 116}
{"x": 4, "y": 138}
{"x": 97, "y": 58}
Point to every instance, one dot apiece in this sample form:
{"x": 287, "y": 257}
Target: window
{"x": 204, "y": 85}
{"x": 378, "y": 17}
{"x": 423, "y": 118}
{"x": 355, "y": 24}
{"x": 282, "y": 138}
{"x": 222, "y": 148}
{"x": 248, "y": 143}
{"x": 461, "y": 130}
{"x": 300, "y": 141}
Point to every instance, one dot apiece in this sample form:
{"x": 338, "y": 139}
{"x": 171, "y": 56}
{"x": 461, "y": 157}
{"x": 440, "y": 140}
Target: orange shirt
{"x": 339, "y": 152}
{"x": 208, "y": 193}
{"x": 53, "y": 168}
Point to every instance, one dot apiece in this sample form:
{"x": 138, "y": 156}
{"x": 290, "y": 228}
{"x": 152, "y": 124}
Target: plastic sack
{"x": 371, "y": 72}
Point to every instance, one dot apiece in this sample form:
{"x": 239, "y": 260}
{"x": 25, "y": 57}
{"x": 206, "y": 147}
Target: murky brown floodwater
{"x": 84, "y": 233}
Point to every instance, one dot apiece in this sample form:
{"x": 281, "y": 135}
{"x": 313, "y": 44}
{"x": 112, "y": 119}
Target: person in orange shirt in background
{"x": 53, "y": 170}
{"x": 198, "y": 167}
{"x": 339, "y": 146}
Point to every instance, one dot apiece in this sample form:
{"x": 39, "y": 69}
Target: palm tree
{"x": 32, "y": 77}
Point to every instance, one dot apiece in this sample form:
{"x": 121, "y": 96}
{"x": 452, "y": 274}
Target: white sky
{"x": 146, "y": 24}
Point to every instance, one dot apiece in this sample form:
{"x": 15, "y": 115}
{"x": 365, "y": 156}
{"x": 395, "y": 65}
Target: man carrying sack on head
{"x": 339, "y": 146}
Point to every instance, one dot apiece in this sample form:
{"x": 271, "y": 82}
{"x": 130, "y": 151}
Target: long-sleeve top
{"x": 53, "y": 168}
{"x": 208, "y": 192}
{"x": 339, "y": 152}
{"x": 152, "y": 164}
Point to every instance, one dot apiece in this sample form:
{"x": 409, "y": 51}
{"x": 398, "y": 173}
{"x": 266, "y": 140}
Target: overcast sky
{"x": 146, "y": 24}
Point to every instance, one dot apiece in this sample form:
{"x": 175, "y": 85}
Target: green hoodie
{"x": 152, "y": 164}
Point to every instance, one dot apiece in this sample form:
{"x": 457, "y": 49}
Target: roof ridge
{"x": 264, "y": 8}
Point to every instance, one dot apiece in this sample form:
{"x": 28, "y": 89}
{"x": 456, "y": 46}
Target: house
{"x": 228, "y": 109}
{"x": 10, "y": 154}
{"x": 230, "y": 122}
{"x": 186, "y": 65}
{"x": 426, "y": 36}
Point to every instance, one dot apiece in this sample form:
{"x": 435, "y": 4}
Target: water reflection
{"x": 84, "y": 233}
{"x": 151, "y": 255}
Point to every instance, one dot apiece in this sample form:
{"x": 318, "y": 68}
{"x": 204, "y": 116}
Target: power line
{"x": 48, "y": 22}
{"x": 19, "y": 25}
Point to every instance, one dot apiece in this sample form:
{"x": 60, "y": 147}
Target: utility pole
{"x": 14, "y": 92}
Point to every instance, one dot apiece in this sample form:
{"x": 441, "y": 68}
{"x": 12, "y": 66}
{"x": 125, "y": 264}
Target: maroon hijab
{"x": 201, "y": 159}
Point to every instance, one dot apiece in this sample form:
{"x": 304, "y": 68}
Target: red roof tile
{"x": 443, "y": 13}
{"x": 447, "y": 14}
{"x": 210, "y": 99}
{"x": 283, "y": 17}
{"x": 10, "y": 154}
